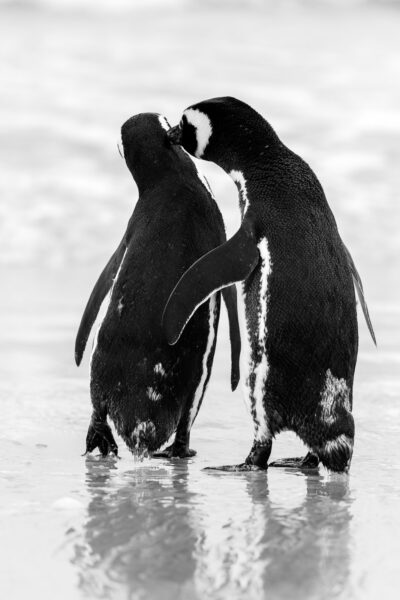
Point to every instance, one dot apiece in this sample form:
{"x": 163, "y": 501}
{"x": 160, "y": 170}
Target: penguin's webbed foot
{"x": 259, "y": 454}
{"x": 175, "y": 451}
{"x": 100, "y": 436}
{"x": 310, "y": 461}
{"x": 257, "y": 459}
{"x": 234, "y": 468}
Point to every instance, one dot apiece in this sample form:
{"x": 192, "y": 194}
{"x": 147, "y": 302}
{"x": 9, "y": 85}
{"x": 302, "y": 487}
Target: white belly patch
{"x": 254, "y": 361}
{"x": 260, "y": 362}
{"x": 201, "y": 388}
{"x": 334, "y": 395}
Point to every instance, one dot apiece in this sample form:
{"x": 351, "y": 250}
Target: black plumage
{"x": 303, "y": 336}
{"x": 149, "y": 388}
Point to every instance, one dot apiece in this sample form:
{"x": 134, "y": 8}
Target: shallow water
{"x": 75, "y": 527}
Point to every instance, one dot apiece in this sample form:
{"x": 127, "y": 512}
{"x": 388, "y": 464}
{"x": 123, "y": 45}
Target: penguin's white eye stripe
{"x": 203, "y": 127}
{"x": 164, "y": 123}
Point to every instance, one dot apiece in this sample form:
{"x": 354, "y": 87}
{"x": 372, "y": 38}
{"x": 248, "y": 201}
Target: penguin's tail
{"x": 147, "y": 436}
{"x": 142, "y": 438}
{"x": 360, "y": 292}
{"x": 336, "y": 454}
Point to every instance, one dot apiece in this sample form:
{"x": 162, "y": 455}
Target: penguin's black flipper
{"x": 229, "y": 296}
{"x": 360, "y": 292}
{"x": 97, "y": 296}
{"x": 232, "y": 261}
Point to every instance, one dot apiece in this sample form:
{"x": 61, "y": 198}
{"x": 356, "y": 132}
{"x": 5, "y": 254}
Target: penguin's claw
{"x": 101, "y": 438}
{"x": 175, "y": 451}
{"x": 310, "y": 461}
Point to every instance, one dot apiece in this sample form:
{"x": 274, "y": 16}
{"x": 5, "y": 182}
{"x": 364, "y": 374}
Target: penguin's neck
{"x": 249, "y": 169}
{"x": 248, "y": 183}
{"x": 242, "y": 186}
{"x": 148, "y": 172}
{"x": 246, "y": 147}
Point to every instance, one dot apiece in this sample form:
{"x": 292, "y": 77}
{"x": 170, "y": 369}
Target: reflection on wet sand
{"x": 313, "y": 560}
{"x": 281, "y": 543}
{"x": 137, "y": 533}
{"x": 176, "y": 532}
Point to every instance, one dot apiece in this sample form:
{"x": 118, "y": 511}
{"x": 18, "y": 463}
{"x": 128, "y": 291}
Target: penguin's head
{"x": 223, "y": 130}
{"x": 146, "y": 146}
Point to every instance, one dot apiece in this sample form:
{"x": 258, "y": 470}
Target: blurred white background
{"x": 325, "y": 74}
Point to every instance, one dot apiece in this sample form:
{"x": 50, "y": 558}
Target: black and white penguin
{"x": 148, "y": 388}
{"x": 300, "y": 336}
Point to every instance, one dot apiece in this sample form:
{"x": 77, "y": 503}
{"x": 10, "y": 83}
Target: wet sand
{"x": 85, "y": 527}
{"x": 90, "y": 527}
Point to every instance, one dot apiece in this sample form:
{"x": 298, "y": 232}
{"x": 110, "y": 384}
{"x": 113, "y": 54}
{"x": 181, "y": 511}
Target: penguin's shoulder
{"x": 179, "y": 211}
{"x": 293, "y": 187}
{"x": 297, "y": 174}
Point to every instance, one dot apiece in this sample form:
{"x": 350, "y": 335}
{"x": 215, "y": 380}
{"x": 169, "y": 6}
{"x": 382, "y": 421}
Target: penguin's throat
{"x": 241, "y": 184}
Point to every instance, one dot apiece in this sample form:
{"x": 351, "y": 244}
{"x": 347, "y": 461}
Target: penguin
{"x": 298, "y": 306}
{"x": 150, "y": 389}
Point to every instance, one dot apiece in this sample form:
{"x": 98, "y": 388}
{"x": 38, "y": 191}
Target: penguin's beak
{"x": 175, "y": 135}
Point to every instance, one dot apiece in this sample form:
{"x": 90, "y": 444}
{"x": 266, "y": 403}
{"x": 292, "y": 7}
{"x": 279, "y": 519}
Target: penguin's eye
{"x": 189, "y": 136}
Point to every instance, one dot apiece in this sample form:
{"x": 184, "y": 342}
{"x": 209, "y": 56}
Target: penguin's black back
{"x": 311, "y": 316}
{"x": 175, "y": 221}
{"x": 297, "y": 277}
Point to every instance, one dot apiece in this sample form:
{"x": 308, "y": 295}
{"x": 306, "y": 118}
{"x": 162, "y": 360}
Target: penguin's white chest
{"x": 253, "y": 311}
{"x": 265, "y": 267}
